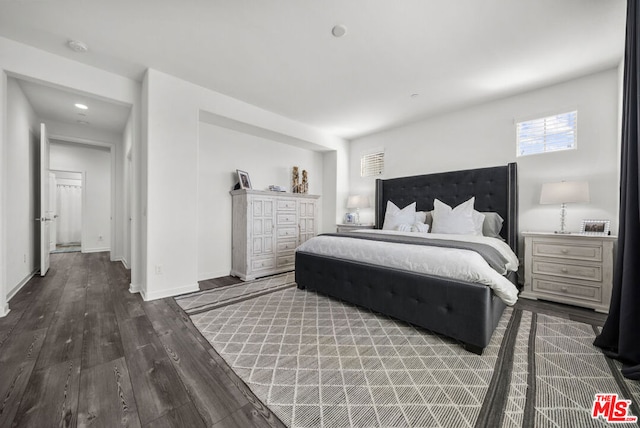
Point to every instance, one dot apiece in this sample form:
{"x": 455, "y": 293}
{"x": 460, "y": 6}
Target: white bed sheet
{"x": 465, "y": 265}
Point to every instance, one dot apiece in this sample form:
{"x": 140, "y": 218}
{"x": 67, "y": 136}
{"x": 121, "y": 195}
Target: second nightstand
{"x": 572, "y": 268}
{"x": 341, "y": 228}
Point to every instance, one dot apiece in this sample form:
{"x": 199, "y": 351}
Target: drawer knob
{"x": 564, "y": 289}
{"x": 565, "y": 251}
{"x": 564, "y": 270}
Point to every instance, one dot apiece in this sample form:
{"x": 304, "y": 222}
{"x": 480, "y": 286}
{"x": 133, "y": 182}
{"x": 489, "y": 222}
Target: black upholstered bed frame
{"x": 465, "y": 311}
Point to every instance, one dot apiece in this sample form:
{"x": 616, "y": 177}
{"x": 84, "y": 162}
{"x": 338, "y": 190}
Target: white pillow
{"x": 478, "y": 222}
{"x": 421, "y": 216}
{"x": 461, "y": 220}
{"x": 395, "y": 216}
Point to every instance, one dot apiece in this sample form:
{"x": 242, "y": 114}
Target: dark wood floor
{"x": 78, "y": 349}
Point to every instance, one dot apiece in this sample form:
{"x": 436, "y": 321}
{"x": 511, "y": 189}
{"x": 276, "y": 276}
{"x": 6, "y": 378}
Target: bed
{"x": 466, "y": 311}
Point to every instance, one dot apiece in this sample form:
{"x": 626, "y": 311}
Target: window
{"x": 547, "y": 134}
{"x": 372, "y": 164}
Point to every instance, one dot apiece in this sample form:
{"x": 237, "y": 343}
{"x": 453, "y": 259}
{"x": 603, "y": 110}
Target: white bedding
{"x": 453, "y": 263}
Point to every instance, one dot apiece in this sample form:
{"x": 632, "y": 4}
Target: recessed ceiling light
{"x": 83, "y": 122}
{"x": 81, "y": 106}
{"x": 77, "y": 46}
{"x": 339, "y": 30}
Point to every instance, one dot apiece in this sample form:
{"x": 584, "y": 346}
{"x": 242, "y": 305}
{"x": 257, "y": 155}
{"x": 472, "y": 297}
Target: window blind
{"x": 547, "y": 134}
{"x": 372, "y": 164}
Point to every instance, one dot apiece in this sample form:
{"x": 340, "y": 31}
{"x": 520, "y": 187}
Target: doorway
{"x": 67, "y": 203}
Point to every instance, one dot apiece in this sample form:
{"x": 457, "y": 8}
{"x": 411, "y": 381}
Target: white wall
{"x": 22, "y": 160}
{"x": 485, "y": 135}
{"x": 95, "y": 162}
{"x": 171, "y": 115}
{"x": 221, "y": 151}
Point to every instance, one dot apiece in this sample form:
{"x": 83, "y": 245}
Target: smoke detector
{"x": 77, "y": 46}
{"x": 339, "y": 30}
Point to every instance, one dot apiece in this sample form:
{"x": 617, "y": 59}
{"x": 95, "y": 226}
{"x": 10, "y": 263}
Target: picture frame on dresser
{"x": 595, "y": 227}
{"x": 243, "y": 179}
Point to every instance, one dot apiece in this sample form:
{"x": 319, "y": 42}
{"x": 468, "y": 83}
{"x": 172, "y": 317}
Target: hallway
{"x": 78, "y": 349}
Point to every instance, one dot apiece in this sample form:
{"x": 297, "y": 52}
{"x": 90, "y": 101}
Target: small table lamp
{"x": 357, "y": 202}
{"x": 563, "y": 193}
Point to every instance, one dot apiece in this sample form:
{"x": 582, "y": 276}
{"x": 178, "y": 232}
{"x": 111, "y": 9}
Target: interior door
{"x": 53, "y": 206}
{"x": 45, "y": 210}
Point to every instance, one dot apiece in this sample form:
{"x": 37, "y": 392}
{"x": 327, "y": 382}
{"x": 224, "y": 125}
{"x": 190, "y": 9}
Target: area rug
{"x": 210, "y": 299}
{"x": 319, "y": 362}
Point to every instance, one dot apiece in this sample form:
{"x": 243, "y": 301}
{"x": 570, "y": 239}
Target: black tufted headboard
{"x": 495, "y": 189}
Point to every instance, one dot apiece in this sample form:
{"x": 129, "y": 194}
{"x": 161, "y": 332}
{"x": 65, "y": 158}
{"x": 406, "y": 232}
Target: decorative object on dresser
{"x": 357, "y": 202}
{"x": 563, "y": 193}
{"x": 573, "y": 268}
{"x": 595, "y": 227}
{"x": 341, "y": 228}
{"x": 295, "y": 179}
{"x": 243, "y": 180}
{"x": 304, "y": 186}
{"x": 266, "y": 229}
{"x": 296, "y": 185}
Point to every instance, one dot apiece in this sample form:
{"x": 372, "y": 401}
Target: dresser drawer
{"x": 284, "y": 261}
{"x": 286, "y": 205}
{"x": 572, "y": 291}
{"x": 285, "y": 219}
{"x": 287, "y": 232}
{"x": 587, "y": 252}
{"x": 586, "y": 272}
{"x": 263, "y": 264}
{"x": 286, "y": 246}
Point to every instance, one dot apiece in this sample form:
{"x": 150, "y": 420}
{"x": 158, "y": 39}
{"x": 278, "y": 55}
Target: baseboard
{"x": 4, "y": 311}
{"x": 22, "y": 283}
{"x": 169, "y": 293}
{"x": 124, "y": 263}
{"x": 134, "y": 288}
{"x": 96, "y": 250}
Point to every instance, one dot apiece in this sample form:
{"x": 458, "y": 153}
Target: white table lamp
{"x": 357, "y": 202}
{"x": 563, "y": 193}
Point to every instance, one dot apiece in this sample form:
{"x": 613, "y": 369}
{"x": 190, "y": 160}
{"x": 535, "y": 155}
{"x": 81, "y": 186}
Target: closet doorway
{"x": 66, "y": 229}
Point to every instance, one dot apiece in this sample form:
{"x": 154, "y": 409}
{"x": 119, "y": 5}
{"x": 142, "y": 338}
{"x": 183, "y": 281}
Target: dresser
{"x": 267, "y": 227}
{"x": 573, "y": 268}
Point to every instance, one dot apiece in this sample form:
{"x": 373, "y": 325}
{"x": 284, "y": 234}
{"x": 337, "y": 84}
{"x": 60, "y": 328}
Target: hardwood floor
{"x": 78, "y": 349}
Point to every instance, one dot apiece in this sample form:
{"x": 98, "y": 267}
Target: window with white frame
{"x": 372, "y": 164}
{"x": 547, "y": 134}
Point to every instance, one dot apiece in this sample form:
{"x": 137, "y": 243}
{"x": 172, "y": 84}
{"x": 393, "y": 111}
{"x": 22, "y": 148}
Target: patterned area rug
{"x": 210, "y": 299}
{"x": 318, "y": 362}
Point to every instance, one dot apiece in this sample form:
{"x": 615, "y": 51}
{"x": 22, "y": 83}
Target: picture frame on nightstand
{"x": 595, "y": 227}
{"x": 350, "y": 218}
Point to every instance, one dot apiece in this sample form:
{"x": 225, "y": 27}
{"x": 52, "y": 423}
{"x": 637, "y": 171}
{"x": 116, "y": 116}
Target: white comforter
{"x": 453, "y": 263}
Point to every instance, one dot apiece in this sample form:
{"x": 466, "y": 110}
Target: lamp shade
{"x": 564, "y": 192}
{"x": 358, "y": 201}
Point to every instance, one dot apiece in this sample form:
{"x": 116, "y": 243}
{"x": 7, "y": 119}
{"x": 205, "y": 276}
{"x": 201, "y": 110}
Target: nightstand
{"x": 341, "y": 228}
{"x": 573, "y": 268}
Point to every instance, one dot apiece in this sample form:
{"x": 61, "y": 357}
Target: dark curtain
{"x": 620, "y": 337}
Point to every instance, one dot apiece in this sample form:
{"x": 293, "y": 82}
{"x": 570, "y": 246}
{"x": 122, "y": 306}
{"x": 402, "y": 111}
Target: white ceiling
{"x": 55, "y": 104}
{"x": 280, "y": 54}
